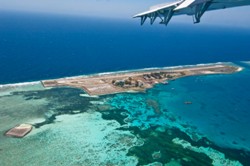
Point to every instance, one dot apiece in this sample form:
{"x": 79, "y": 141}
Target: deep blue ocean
{"x": 36, "y": 46}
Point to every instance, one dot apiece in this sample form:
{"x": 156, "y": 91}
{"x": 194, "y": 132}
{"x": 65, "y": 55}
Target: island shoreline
{"x": 136, "y": 80}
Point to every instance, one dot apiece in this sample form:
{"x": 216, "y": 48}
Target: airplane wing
{"x": 195, "y": 8}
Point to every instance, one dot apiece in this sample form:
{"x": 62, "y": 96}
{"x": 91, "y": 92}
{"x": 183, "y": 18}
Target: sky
{"x": 122, "y": 9}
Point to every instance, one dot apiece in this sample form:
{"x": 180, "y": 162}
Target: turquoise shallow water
{"x": 219, "y": 109}
{"x": 152, "y": 128}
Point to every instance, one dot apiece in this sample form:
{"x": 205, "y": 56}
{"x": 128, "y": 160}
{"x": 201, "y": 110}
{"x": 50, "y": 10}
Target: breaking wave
{"x": 19, "y": 84}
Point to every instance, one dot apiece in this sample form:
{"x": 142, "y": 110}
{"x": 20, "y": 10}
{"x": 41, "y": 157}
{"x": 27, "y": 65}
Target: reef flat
{"x": 135, "y": 80}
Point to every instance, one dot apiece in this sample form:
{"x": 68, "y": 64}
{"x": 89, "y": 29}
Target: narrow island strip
{"x": 136, "y": 81}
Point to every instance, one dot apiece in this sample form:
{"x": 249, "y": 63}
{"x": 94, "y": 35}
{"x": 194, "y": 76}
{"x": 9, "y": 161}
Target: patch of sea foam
{"x": 246, "y": 62}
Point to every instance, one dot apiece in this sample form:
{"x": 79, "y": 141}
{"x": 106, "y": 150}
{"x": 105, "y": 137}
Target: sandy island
{"x": 137, "y": 81}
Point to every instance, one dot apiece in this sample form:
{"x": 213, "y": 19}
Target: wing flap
{"x": 144, "y": 13}
{"x": 185, "y": 4}
{"x": 156, "y": 8}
